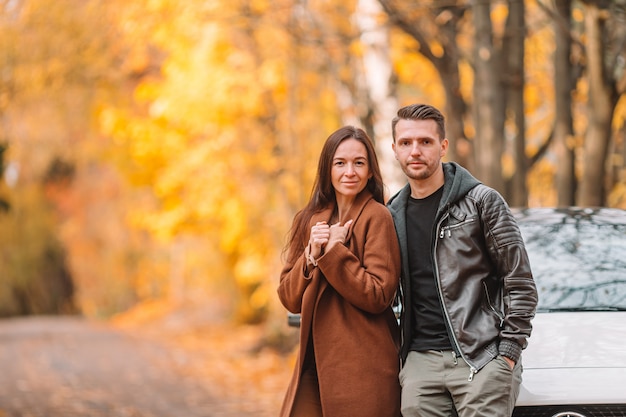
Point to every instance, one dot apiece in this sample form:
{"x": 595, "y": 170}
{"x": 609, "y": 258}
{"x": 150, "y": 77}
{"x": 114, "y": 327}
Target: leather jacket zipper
{"x": 491, "y": 307}
{"x": 448, "y": 229}
{"x": 456, "y": 347}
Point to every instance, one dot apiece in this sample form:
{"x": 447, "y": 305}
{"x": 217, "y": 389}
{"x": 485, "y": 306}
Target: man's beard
{"x": 417, "y": 175}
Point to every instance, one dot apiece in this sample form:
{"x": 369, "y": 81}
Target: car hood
{"x": 577, "y": 340}
{"x": 575, "y": 358}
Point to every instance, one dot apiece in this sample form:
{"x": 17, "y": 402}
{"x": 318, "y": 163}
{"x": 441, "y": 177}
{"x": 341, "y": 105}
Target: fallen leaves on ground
{"x": 236, "y": 362}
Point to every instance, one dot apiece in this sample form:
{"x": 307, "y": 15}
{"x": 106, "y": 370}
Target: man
{"x": 469, "y": 294}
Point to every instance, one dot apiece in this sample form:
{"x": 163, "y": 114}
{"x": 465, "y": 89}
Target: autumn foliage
{"x": 160, "y": 148}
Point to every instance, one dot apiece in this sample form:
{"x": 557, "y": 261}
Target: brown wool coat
{"x": 345, "y": 304}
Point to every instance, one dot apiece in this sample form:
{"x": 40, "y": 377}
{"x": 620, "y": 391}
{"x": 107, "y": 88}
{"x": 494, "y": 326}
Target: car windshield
{"x": 578, "y": 265}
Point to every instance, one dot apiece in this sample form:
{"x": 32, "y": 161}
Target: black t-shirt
{"x": 429, "y": 329}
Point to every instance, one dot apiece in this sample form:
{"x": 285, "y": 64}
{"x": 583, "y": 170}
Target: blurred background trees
{"x": 158, "y": 149}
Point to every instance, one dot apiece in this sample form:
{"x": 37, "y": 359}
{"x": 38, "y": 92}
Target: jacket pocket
{"x": 491, "y": 307}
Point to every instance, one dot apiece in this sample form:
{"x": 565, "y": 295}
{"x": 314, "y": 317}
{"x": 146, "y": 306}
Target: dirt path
{"x": 70, "y": 367}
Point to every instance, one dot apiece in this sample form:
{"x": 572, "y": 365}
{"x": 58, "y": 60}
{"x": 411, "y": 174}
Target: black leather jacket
{"x": 483, "y": 274}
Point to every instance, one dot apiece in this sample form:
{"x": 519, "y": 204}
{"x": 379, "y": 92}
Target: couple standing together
{"x": 446, "y": 246}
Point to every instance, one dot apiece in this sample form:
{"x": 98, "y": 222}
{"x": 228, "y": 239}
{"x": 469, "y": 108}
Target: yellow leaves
{"x": 254, "y": 301}
{"x": 272, "y": 75}
{"x": 234, "y": 221}
{"x": 416, "y": 71}
{"x": 437, "y": 49}
{"x": 250, "y": 269}
{"x": 161, "y": 225}
{"x": 198, "y": 112}
{"x": 108, "y": 120}
{"x": 578, "y": 14}
{"x": 207, "y": 115}
{"x": 227, "y": 135}
{"x": 539, "y": 50}
{"x": 250, "y": 274}
{"x": 541, "y": 185}
{"x": 508, "y": 165}
{"x": 148, "y": 91}
{"x": 619, "y": 118}
{"x": 499, "y": 13}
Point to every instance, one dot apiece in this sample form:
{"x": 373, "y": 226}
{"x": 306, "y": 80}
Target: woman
{"x": 341, "y": 274}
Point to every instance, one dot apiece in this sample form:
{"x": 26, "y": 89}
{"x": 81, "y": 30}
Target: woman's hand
{"x": 320, "y": 233}
{"x": 338, "y": 234}
{"x": 323, "y": 237}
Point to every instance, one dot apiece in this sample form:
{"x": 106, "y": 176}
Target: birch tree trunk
{"x": 378, "y": 80}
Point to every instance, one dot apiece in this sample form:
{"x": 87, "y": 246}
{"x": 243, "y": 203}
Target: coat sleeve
{"x": 366, "y": 271}
{"x": 508, "y": 253}
{"x": 293, "y": 280}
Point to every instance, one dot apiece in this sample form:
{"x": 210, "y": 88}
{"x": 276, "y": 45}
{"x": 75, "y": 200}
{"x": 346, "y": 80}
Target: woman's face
{"x": 350, "y": 168}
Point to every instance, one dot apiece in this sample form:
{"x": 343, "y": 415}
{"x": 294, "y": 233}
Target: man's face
{"x": 419, "y": 148}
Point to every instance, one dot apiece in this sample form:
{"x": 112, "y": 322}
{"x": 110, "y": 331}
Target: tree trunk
{"x": 456, "y": 108}
{"x": 600, "y": 108}
{"x": 563, "y": 137}
{"x": 488, "y": 144}
{"x": 378, "y": 79}
{"x": 444, "y": 31}
{"x": 513, "y": 50}
{"x": 616, "y": 27}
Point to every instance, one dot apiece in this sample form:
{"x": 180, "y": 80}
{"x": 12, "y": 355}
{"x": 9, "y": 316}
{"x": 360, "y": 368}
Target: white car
{"x": 575, "y": 362}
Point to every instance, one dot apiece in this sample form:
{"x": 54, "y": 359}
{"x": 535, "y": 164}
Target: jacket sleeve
{"x": 508, "y": 254}
{"x": 369, "y": 283}
{"x": 293, "y": 280}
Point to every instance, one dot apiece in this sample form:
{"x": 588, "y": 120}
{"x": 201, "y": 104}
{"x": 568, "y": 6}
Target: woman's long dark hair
{"x": 323, "y": 193}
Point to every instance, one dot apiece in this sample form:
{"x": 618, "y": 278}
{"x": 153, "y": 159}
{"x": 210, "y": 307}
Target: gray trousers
{"x": 436, "y": 384}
